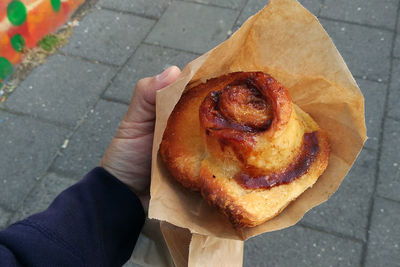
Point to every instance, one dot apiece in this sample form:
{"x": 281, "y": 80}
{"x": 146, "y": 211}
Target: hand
{"x": 128, "y": 157}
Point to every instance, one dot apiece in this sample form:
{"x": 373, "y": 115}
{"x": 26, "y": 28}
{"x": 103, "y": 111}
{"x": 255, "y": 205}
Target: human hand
{"x": 128, "y": 157}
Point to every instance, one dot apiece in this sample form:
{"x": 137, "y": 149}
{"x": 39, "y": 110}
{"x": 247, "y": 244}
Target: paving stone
{"x": 42, "y": 196}
{"x": 394, "y": 90}
{"x": 27, "y": 146}
{"x": 4, "y": 216}
{"x": 153, "y": 8}
{"x": 347, "y": 210}
{"x": 389, "y": 165}
{"x": 372, "y": 12}
{"x": 384, "y": 240}
{"x": 374, "y": 96}
{"x": 365, "y": 50}
{"x": 314, "y": 6}
{"x": 61, "y": 90}
{"x": 298, "y": 246}
{"x": 108, "y": 36}
{"x": 89, "y": 143}
{"x": 192, "y": 27}
{"x": 157, "y": 59}
{"x": 398, "y": 24}
{"x": 234, "y": 4}
{"x": 396, "y": 51}
{"x": 253, "y": 6}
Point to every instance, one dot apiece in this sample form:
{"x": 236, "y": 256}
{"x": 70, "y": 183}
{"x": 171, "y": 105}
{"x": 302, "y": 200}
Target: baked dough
{"x": 241, "y": 142}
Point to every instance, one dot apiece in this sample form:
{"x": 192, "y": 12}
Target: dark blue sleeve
{"x": 95, "y": 222}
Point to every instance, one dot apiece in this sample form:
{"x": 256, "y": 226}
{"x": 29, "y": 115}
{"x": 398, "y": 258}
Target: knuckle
{"x": 142, "y": 84}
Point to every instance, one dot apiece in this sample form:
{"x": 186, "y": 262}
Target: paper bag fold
{"x": 288, "y": 42}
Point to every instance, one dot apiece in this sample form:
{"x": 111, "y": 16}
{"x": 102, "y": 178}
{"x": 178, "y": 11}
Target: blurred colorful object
{"x": 23, "y": 23}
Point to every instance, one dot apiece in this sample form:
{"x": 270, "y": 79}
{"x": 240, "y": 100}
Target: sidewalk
{"x": 58, "y": 122}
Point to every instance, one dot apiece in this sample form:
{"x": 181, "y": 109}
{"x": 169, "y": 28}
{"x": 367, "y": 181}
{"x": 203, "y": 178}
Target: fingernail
{"x": 164, "y": 74}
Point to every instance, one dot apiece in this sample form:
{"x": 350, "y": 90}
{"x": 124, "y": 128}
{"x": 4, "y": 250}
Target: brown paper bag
{"x": 288, "y": 42}
{"x": 178, "y": 242}
{"x": 151, "y": 250}
{"x": 195, "y": 250}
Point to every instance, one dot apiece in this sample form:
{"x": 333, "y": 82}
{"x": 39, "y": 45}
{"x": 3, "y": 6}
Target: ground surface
{"x": 58, "y": 122}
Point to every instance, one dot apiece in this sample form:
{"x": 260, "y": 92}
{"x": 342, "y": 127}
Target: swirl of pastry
{"x": 244, "y": 145}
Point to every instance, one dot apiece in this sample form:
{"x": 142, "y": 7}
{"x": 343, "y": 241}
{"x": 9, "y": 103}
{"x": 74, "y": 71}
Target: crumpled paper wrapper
{"x": 286, "y": 41}
{"x": 151, "y": 249}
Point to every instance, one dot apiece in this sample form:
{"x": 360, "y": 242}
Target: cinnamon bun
{"x": 241, "y": 141}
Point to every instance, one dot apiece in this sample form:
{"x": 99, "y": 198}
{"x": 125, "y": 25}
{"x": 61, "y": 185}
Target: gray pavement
{"x": 56, "y": 125}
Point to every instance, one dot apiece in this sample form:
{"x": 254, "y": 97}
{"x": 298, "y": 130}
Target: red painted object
{"x": 25, "y": 22}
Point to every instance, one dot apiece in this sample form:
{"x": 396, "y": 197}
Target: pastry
{"x": 241, "y": 141}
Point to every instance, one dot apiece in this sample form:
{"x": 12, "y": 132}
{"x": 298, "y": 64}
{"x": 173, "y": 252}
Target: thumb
{"x": 142, "y": 106}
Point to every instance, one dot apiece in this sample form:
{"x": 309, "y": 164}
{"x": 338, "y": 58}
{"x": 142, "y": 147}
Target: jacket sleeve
{"x": 95, "y": 222}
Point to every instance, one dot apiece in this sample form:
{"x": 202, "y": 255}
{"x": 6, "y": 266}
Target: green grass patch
{"x": 49, "y": 42}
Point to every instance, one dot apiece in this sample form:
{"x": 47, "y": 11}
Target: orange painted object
{"x": 25, "y": 22}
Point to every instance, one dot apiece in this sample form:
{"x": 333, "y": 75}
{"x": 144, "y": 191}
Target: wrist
{"x": 142, "y": 193}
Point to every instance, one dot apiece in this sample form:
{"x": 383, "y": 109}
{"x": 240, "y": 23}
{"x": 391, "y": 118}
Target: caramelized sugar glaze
{"x": 253, "y": 104}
